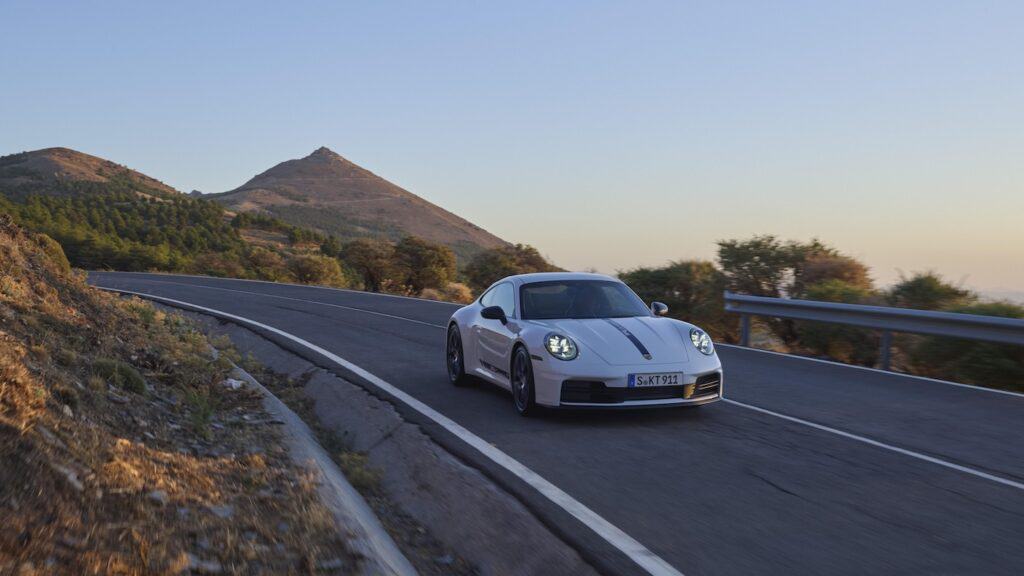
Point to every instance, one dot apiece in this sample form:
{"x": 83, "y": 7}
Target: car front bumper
{"x": 596, "y": 385}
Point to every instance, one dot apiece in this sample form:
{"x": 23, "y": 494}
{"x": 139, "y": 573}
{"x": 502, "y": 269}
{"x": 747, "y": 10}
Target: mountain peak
{"x": 326, "y": 192}
{"x": 324, "y": 151}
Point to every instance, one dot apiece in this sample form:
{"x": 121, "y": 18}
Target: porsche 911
{"x": 575, "y": 340}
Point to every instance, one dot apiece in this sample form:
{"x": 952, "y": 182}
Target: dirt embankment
{"x": 122, "y": 451}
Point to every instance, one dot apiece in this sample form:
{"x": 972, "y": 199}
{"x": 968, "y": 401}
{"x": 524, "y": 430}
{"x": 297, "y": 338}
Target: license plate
{"x": 664, "y": 379}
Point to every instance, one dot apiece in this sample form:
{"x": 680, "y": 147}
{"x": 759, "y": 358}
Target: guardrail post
{"x": 885, "y": 351}
{"x": 745, "y": 330}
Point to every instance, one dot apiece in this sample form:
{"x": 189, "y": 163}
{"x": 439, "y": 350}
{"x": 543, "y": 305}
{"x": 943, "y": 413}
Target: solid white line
{"x": 878, "y": 370}
{"x": 877, "y": 444}
{"x": 636, "y": 551}
{"x": 375, "y": 313}
{"x": 291, "y": 284}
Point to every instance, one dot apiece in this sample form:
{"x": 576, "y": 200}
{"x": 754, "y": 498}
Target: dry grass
{"x": 158, "y": 472}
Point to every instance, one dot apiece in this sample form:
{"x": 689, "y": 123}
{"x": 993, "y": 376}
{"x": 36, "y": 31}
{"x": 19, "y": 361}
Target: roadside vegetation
{"x": 122, "y": 449}
{"x": 768, "y": 266}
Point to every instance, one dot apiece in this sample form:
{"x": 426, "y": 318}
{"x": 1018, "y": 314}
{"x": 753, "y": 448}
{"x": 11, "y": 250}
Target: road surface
{"x": 808, "y": 468}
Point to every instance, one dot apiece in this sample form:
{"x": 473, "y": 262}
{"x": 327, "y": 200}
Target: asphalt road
{"x": 879, "y": 473}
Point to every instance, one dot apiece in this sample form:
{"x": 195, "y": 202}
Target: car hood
{"x": 620, "y": 341}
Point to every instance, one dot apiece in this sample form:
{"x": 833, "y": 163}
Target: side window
{"x": 501, "y": 295}
{"x": 488, "y": 298}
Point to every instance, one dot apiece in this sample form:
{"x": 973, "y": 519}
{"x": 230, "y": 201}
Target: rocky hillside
{"x": 326, "y": 192}
{"x": 122, "y": 451}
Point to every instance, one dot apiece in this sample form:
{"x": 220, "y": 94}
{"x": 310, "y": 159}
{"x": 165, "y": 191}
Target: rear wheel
{"x": 454, "y": 358}
{"x": 522, "y": 382}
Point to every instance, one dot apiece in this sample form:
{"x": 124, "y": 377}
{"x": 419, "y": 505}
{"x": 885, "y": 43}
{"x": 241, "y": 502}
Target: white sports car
{"x": 580, "y": 341}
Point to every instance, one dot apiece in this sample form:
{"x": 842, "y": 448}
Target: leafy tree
{"x": 494, "y": 264}
{"x": 424, "y": 264}
{"x": 928, "y": 291}
{"x": 316, "y": 269}
{"x": 268, "y": 265}
{"x": 822, "y": 267}
{"x": 766, "y": 266}
{"x": 331, "y": 247}
{"x": 372, "y": 260}
{"x": 693, "y": 291}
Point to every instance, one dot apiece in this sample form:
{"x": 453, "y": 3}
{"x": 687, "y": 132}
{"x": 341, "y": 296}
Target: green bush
{"x": 54, "y": 251}
{"x": 839, "y": 341}
{"x": 315, "y": 269}
{"x": 692, "y": 290}
{"x": 972, "y": 362}
{"x": 119, "y": 374}
{"x": 928, "y": 291}
{"x": 424, "y": 264}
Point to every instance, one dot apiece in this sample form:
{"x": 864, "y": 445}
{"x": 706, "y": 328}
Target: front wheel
{"x": 454, "y": 357}
{"x": 522, "y": 382}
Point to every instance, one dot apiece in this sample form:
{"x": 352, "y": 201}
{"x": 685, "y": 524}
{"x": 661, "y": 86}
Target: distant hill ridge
{"x": 333, "y": 195}
{"x": 43, "y": 170}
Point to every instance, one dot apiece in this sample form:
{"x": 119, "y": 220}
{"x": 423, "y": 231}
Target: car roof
{"x": 521, "y": 279}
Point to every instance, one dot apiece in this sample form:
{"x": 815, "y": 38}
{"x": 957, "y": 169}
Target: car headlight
{"x": 701, "y": 341}
{"x": 561, "y": 347}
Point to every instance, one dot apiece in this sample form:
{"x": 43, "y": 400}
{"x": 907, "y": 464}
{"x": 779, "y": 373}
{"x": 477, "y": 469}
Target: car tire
{"x": 523, "y": 397}
{"x": 455, "y": 360}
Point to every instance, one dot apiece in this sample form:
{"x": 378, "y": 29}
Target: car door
{"x": 493, "y": 338}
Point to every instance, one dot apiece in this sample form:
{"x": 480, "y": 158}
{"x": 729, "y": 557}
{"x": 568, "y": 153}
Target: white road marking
{"x": 291, "y": 284}
{"x": 636, "y": 551}
{"x": 891, "y": 373}
{"x": 374, "y": 312}
{"x": 877, "y": 444}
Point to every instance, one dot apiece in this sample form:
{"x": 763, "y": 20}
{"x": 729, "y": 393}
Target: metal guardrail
{"x": 884, "y": 319}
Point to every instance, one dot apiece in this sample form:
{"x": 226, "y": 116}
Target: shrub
{"x": 424, "y": 264}
{"x": 268, "y": 265}
{"x": 119, "y": 374}
{"x": 928, "y": 291}
{"x": 222, "y": 265}
{"x": 54, "y": 252}
{"x": 314, "y": 269}
{"x": 456, "y": 292}
{"x": 838, "y": 341}
{"x": 973, "y": 362}
{"x": 65, "y": 356}
{"x": 372, "y": 260}
{"x": 821, "y": 267}
{"x": 494, "y": 264}
{"x": 692, "y": 290}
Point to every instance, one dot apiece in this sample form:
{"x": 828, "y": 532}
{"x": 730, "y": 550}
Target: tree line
{"x": 111, "y": 225}
{"x": 768, "y": 266}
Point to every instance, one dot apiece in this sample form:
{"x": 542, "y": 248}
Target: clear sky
{"x": 608, "y": 134}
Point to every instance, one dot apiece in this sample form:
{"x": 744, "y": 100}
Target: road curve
{"x": 813, "y": 468}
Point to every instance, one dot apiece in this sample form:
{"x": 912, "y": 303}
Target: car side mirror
{"x": 659, "y": 309}
{"x": 494, "y": 313}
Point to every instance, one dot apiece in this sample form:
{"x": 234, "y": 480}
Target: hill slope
{"x": 113, "y": 421}
{"x": 64, "y": 170}
{"x": 326, "y": 192}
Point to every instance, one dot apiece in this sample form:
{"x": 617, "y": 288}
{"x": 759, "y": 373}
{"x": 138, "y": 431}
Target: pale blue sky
{"x": 608, "y": 134}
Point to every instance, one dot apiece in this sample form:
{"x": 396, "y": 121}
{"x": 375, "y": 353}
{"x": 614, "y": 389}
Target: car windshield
{"x": 579, "y": 299}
